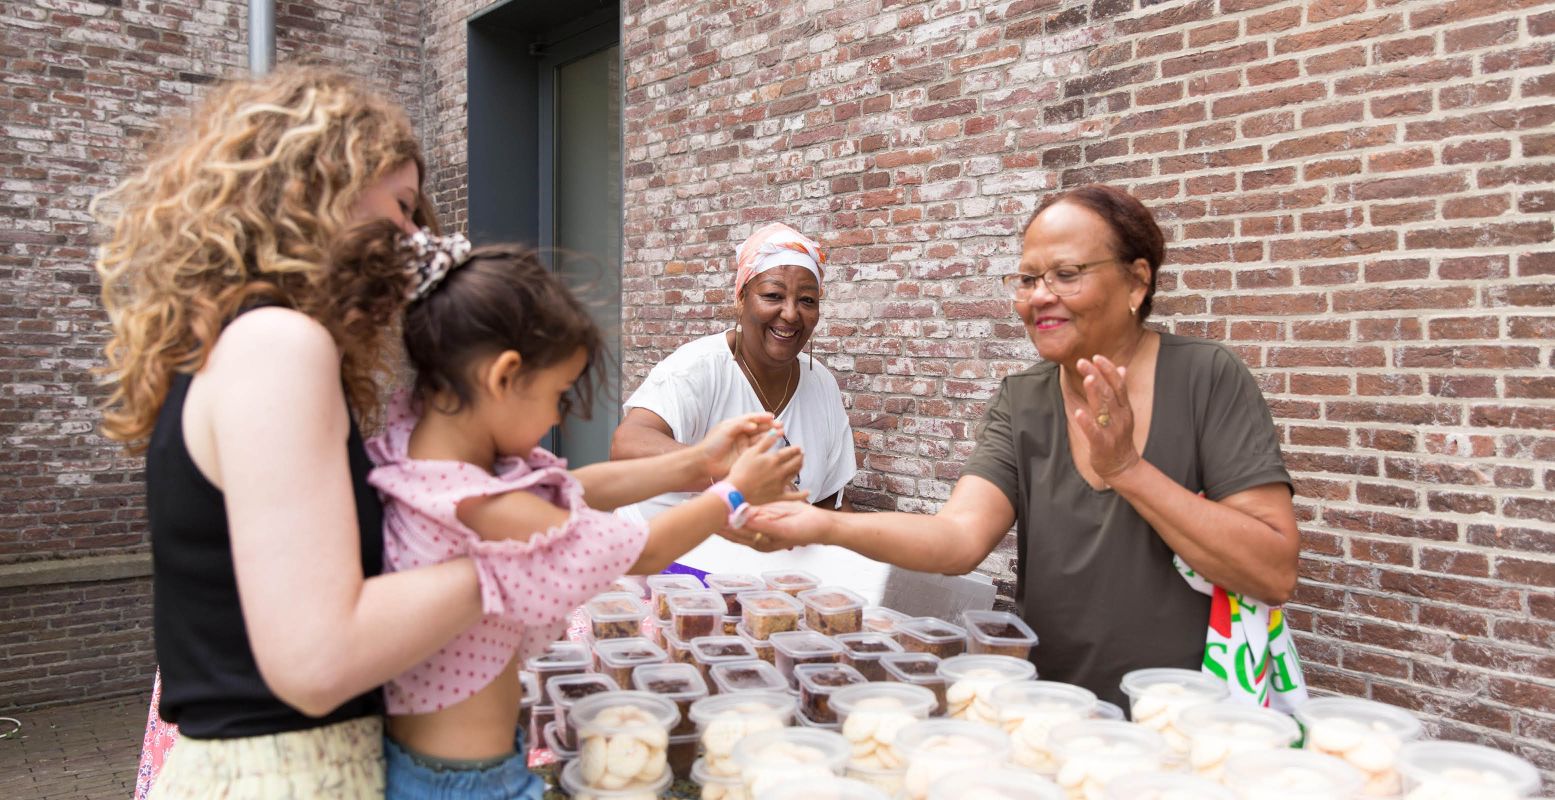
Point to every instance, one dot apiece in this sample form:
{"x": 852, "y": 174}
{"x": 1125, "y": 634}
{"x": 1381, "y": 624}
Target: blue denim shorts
{"x": 413, "y": 777}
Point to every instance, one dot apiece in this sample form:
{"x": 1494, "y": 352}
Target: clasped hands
{"x": 748, "y": 450}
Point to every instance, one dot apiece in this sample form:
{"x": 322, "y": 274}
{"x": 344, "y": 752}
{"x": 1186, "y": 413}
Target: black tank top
{"x": 210, "y": 684}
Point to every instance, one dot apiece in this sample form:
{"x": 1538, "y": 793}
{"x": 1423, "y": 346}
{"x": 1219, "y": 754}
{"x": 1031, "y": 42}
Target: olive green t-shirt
{"x": 1094, "y": 580}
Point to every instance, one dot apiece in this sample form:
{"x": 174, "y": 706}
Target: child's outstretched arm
{"x": 760, "y": 474}
{"x": 611, "y": 484}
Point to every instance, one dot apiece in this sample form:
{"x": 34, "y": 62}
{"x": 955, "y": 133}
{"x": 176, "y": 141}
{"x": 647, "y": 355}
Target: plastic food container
{"x": 560, "y": 658}
{"x": 623, "y": 739}
{"x": 771, "y": 759}
{"x": 767, "y": 612}
{"x": 832, "y": 610}
{"x": 863, "y": 650}
{"x": 1030, "y": 710}
{"x": 931, "y": 635}
{"x": 660, "y": 587}
{"x": 1111, "y": 711}
{"x": 1165, "y": 786}
{"x": 708, "y": 651}
{"x": 1003, "y": 784}
{"x": 763, "y": 647}
{"x": 889, "y": 781}
{"x": 936, "y": 748}
{"x": 872, "y": 715}
{"x": 747, "y": 676}
{"x": 695, "y": 614}
{"x": 1456, "y": 771}
{"x": 1091, "y": 753}
{"x": 1157, "y": 695}
{"x": 1292, "y": 775}
{"x": 543, "y": 717}
{"x": 803, "y": 647}
{"x": 530, "y": 686}
{"x": 730, "y": 626}
{"x": 918, "y": 669}
{"x": 1216, "y": 731}
{"x": 568, "y": 690}
{"x": 998, "y": 633}
{"x": 971, "y": 679}
{"x": 619, "y": 658}
{"x": 1365, "y": 734}
{"x": 881, "y": 619}
{"x": 817, "y": 683}
{"x": 553, "y": 743}
{"x": 826, "y": 788}
{"x": 578, "y": 788}
{"x": 724, "y": 720}
{"x": 717, "y": 787}
{"x": 681, "y": 684}
{"x": 730, "y": 585}
{"x": 790, "y": 581}
{"x": 615, "y": 615}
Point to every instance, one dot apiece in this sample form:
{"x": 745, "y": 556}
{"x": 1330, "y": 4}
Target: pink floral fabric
{"x": 528, "y": 588}
{"x": 154, "y": 748}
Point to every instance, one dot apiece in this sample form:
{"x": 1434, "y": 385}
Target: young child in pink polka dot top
{"x": 502, "y": 351}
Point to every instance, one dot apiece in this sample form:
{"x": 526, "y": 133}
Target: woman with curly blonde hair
{"x": 243, "y": 354}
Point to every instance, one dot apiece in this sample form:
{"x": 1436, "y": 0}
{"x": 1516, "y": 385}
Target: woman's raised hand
{"x": 779, "y": 526}
{"x": 728, "y": 439}
{"x": 763, "y": 474}
{"x": 1107, "y": 420}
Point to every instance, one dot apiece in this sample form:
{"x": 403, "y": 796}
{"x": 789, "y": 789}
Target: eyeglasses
{"x": 1062, "y": 280}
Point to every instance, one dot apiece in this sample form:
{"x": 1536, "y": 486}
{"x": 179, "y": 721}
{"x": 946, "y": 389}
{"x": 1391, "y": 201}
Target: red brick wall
{"x": 1358, "y": 197}
{"x": 84, "y": 85}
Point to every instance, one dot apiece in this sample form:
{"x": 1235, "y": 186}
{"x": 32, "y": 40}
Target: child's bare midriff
{"x": 479, "y": 727}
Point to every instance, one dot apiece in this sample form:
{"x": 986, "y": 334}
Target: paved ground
{"x": 87, "y": 751}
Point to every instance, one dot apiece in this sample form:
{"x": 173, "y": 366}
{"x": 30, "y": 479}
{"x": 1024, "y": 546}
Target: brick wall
{"x": 85, "y": 83}
{"x": 1357, "y": 195}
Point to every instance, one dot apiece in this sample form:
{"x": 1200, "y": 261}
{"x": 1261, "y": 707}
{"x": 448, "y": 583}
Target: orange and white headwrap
{"x": 776, "y": 245}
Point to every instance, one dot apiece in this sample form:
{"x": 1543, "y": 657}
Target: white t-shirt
{"x": 700, "y": 385}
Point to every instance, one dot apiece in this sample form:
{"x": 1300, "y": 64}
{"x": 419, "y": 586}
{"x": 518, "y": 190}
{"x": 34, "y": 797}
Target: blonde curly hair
{"x": 242, "y": 205}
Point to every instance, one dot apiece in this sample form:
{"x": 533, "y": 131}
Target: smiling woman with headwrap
{"x": 760, "y": 365}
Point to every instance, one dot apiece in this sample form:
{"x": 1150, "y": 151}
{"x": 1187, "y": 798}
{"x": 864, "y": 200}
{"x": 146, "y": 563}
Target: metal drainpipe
{"x": 261, "y": 36}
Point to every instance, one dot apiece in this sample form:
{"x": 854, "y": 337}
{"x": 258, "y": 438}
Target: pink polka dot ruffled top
{"x": 528, "y": 588}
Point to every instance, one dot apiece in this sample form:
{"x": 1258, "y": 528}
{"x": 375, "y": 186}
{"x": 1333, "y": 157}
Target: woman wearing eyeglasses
{"x": 1121, "y": 448}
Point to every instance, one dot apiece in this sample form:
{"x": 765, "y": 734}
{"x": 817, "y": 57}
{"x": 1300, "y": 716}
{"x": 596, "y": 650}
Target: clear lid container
{"x": 871, "y": 716}
{"x": 710, "y": 650}
{"x": 615, "y": 615}
{"x": 998, "y": 632}
{"x": 935, "y": 748}
{"x": 729, "y": 585}
{"x": 833, "y": 610}
{"x": 1109, "y": 711}
{"x": 1319, "y": 712}
{"x": 559, "y": 658}
{"x": 660, "y": 587}
{"x": 1291, "y": 775}
{"x": 553, "y": 742}
{"x": 763, "y": 647}
{"x": 994, "y": 784}
{"x": 791, "y": 581}
{"x": 623, "y": 712}
{"x": 680, "y": 683}
{"x": 931, "y": 635}
{"x": 918, "y": 669}
{"x": 803, "y": 647}
{"x": 881, "y": 619}
{"x": 817, "y": 682}
{"x": 530, "y": 685}
{"x": 1030, "y": 710}
{"x": 568, "y": 690}
{"x": 1165, "y": 786}
{"x": 888, "y": 780}
{"x": 1091, "y": 753}
{"x": 576, "y": 787}
{"x": 877, "y": 698}
{"x": 679, "y": 649}
{"x": 971, "y": 679}
{"x": 746, "y": 676}
{"x": 826, "y": 787}
{"x": 1365, "y": 734}
{"x": 1454, "y": 770}
{"x": 767, "y": 612}
{"x": 618, "y": 658}
{"x": 694, "y": 614}
{"x": 778, "y": 705}
{"x": 716, "y": 786}
{"x": 776, "y": 757}
{"x": 1153, "y": 691}
{"x": 1215, "y": 731}
{"x": 863, "y": 650}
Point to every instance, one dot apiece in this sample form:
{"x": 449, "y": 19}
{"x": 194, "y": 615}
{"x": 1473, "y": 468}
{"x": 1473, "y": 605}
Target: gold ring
{"x": 756, "y": 539}
{"x": 1103, "y": 419}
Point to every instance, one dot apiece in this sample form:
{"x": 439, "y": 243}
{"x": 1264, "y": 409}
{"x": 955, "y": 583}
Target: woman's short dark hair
{"x": 503, "y": 298}
{"x": 1135, "y": 233}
